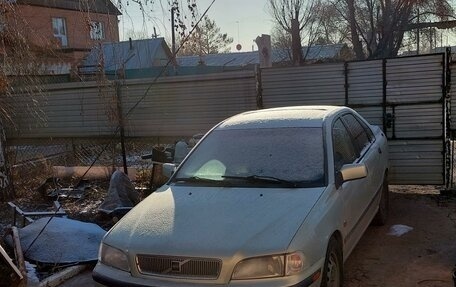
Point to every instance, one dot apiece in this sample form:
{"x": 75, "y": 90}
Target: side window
{"x": 358, "y": 132}
{"x": 344, "y": 151}
{"x": 369, "y": 132}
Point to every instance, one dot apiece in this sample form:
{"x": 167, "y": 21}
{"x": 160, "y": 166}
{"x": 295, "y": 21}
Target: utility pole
{"x": 121, "y": 125}
{"x": 418, "y": 33}
{"x": 173, "y": 41}
{"x": 296, "y": 42}
{"x": 173, "y": 34}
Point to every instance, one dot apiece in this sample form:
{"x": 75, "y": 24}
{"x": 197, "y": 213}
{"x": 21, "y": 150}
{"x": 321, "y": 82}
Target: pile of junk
{"x": 44, "y": 248}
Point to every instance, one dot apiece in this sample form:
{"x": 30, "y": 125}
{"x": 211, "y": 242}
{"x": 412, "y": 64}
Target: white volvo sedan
{"x": 275, "y": 197}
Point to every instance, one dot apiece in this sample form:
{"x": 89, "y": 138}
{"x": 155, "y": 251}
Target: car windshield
{"x": 269, "y": 157}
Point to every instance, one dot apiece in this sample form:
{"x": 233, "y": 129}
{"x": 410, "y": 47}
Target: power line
{"x": 129, "y": 112}
{"x": 171, "y": 60}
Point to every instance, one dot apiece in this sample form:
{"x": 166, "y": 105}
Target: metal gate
{"x": 405, "y": 96}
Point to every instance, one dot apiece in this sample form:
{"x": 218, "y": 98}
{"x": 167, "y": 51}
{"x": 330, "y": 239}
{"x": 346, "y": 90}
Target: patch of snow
{"x": 295, "y": 116}
{"x": 32, "y": 278}
{"x": 399, "y": 230}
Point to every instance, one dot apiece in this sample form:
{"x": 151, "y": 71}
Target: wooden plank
{"x": 11, "y": 263}
{"x": 58, "y": 278}
{"x": 18, "y": 252}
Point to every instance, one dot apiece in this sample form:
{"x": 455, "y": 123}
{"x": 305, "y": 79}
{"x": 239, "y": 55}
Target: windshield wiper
{"x": 197, "y": 179}
{"x": 264, "y": 178}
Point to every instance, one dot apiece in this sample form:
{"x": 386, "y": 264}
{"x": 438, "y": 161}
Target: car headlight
{"x": 269, "y": 266}
{"x": 113, "y": 257}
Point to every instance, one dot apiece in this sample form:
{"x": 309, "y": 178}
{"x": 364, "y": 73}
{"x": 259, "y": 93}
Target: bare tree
{"x": 206, "y": 39}
{"x": 281, "y": 40}
{"x": 304, "y": 13}
{"x": 332, "y": 27}
{"x": 378, "y": 27}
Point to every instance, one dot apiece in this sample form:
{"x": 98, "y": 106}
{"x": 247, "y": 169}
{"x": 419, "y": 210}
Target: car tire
{"x": 383, "y": 208}
{"x": 332, "y": 275}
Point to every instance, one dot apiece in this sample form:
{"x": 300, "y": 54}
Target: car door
{"x": 353, "y": 144}
{"x": 368, "y": 153}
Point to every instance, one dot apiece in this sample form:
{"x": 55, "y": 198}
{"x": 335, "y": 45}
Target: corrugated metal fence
{"x": 169, "y": 107}
{"x": 184, "y": 106}
{"x": 404, "y": 96}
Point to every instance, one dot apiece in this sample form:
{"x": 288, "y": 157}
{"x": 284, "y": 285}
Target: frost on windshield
{"x": 292, "y": 154}
{"x": 212, "y": 169}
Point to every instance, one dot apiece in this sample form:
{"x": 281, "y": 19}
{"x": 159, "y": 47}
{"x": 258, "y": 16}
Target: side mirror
{"x": 351, "y": 172}
{"x": 168, "y": 169}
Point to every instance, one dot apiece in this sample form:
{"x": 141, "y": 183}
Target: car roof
{"x": 295, "y": 116}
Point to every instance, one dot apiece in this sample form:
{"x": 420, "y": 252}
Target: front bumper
{"x": 111, "y": 277}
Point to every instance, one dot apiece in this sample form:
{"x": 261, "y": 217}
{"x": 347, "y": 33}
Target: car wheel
{"x": 383, "y": 208}
{"x": 333, "y": 268}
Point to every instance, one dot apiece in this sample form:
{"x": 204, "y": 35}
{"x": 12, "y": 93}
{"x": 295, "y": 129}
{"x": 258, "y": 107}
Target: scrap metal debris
{"x": 27, "y": 215}
{"x": 14, "y": 274}
{"x": 181, "y": 151}
{"x": 58, "y": 278}
{"x": 121, "y": 194}
{"x": 53, "y": 187}
{"x": 159, "y": 155}
{"x": 9, "y": 261}
{"x": 76, "y": 192}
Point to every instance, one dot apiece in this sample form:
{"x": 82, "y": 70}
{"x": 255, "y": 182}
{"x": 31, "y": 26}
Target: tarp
{"x": 62, "y": 241}
{"x": 121, "y": 194}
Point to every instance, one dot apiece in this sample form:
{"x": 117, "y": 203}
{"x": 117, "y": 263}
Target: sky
{"x": 243, "y": 20}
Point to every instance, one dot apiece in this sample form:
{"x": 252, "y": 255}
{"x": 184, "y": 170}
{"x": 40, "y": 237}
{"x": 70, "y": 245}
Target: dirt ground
{"x": 423, "y": 257}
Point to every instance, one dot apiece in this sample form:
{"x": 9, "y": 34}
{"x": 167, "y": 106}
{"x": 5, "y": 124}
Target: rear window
{"x": 291, "y": 154}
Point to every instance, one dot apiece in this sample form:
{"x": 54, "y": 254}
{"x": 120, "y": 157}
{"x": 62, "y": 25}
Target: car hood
{"x": 214, "y": 221}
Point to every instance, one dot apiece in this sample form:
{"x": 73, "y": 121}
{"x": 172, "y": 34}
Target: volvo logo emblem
{"x": 176, "y": 266}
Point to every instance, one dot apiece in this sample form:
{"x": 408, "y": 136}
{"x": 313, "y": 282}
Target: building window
{"x": 96, "y": 30}
{"x": 59, "y": 30}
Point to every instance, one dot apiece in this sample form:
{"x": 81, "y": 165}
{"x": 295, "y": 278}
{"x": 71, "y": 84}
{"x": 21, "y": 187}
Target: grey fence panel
{"x": 453, "y": 96}
{"x": 416, "y": 162}
{"x": 63, "y": 110}
{"x": 418, "y": 121}
{"x": 308, "y": 85}
{"x": 374, "y": 115}
{"x": 365, "y": 83}
{"x": 414, "y": 79}
{"x": 184, "y": 106}
{"x": 417, "y": 61}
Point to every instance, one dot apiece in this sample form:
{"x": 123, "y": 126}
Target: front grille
{"x": 204, "y": 268}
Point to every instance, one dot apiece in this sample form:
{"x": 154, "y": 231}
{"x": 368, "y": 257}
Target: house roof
{"x": 95, "y": 6}
{"x": 314, "y": 53}
{"x": 435, "y": 50}
{"x": 137, "y": 54}
{"x": 443, "y": 49}
{"x": 223, "y": 59}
